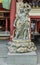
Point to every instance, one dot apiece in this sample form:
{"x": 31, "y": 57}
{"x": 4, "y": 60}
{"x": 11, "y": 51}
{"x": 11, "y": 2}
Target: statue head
{"x": 27, "y": 8}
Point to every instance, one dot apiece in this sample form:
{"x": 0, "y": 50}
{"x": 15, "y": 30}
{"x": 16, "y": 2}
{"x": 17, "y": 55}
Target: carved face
{"x": 27, "y": 8}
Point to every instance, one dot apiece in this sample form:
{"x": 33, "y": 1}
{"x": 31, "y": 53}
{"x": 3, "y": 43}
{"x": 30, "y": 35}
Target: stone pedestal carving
{"x": 21, "y": 46}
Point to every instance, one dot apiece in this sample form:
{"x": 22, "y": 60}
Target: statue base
{"x": 22, "y": 58}
{"x": 21, "y": 46}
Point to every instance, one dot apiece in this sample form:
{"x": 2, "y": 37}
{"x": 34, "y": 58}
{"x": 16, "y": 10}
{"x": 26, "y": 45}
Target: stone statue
{"x": 22, "y": 21}
{"x": 21, "y": 43}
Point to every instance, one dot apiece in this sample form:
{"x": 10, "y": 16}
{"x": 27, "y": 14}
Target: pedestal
{"x": 21, "y": 46}
{"x": 22, "y": 58}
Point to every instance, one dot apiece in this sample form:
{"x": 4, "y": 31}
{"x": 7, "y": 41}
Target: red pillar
{"x": 6, "y": 25}
{"x": 12, "y": 16}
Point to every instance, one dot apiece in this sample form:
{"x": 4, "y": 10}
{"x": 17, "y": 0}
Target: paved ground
{"x": 38, "y": 51}
{"x": 4, "y": 51}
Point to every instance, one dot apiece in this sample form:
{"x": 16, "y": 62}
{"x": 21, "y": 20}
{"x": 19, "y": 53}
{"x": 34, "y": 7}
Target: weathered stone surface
{"x": 22, "y": 58}
{"x": 21, "y": 46}
{"x": 21, "y": 42}
{"x": 22, "y": 21}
